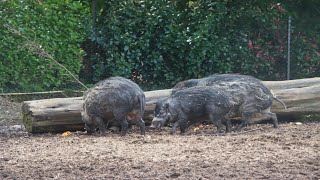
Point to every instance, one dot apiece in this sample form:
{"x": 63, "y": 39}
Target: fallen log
{"x": 301, "y": 96}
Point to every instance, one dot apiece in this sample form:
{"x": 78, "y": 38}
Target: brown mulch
{"x": 257, "y": 152}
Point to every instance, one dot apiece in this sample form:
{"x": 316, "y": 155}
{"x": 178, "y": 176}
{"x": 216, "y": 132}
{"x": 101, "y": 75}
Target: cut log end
{"x": 26, "y": 117}
{"x": 27, "y": 122}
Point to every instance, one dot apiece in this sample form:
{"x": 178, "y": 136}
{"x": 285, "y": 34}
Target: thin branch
{"x": 37, "y": 49}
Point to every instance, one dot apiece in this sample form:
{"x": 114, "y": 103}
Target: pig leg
{"x": 227, "y": 123}
{"x": 245, "y": 120}
{"x": 101, "y": 125}
{"x": 274, "y": 119}
{"x": 124, "y": 125}
{"x": 255, "y": 117}
{"x": 142, "y": 126}
{"x": 183, "y": 126}
{"x": 261, "y": 116}
{"x": 174, "y": 127}
{"x": 180, "y": 124}
{"x": 189, "y": 123}
{"x": 216, "y": 120}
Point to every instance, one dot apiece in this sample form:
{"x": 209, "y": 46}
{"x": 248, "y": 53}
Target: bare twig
{"x": 37, "y": 49}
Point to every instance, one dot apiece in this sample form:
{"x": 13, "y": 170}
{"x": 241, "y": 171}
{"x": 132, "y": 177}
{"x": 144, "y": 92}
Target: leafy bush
{"x": 158, "y": 42}
{"x": 53, "y": 25}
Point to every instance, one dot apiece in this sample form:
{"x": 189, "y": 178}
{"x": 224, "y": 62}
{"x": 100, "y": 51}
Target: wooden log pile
{"x": 301, "y": 97}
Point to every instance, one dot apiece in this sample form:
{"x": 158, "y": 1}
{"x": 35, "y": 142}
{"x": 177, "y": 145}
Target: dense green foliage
{"x": 160, "y": 42}
{"x": 156, "y": 42}
{"x": 25, "y": 26}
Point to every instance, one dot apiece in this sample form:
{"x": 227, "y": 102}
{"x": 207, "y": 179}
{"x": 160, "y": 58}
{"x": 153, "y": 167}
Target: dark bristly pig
{"x": 115, "y": 99}
{"x": 188, "y": 105}
{"x": 252, "y": 98}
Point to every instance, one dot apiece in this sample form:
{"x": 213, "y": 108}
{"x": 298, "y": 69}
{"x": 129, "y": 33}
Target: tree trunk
{"x": 63, "y": 114}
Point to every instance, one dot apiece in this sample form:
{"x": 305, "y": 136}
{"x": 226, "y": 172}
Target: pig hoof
{"x": 114, "y": 128}
{"x": 103, "y": 134}
{"x": 123, "y": 133}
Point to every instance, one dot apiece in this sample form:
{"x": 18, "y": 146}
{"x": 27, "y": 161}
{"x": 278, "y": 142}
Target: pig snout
{"x": 89, "y": 128}
{"x": 157, "y": 123}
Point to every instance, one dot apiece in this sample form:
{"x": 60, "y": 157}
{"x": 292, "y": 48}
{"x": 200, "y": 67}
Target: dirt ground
{"x": 258, "y": 152}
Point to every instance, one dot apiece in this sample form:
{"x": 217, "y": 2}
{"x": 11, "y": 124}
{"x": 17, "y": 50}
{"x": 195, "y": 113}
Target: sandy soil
{"x": 258, "y": 152}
